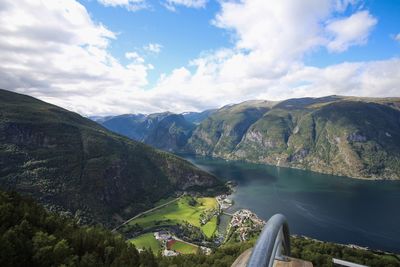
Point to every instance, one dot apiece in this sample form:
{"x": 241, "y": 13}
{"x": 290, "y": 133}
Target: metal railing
{"x": 273, "y": 243}
{"x": 346, "y": 263}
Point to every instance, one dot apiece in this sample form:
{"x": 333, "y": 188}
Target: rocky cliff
{"x": 356, "y": 137}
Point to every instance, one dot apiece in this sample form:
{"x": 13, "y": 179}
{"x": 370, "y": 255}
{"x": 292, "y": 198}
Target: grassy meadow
{"x": 181, "y": 211}
{"x": 147, "y": 241}
{"x": 184, "y": 248}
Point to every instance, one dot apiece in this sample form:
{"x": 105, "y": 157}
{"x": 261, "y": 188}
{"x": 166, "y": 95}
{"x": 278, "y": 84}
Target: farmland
{"x": 186, "y": 209}
{"x": 182, "y": 247}
{"x": 146, "y": 241}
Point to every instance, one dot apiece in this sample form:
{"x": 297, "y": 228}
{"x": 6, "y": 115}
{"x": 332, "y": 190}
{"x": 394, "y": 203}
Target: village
{"x": 242, "y": 225}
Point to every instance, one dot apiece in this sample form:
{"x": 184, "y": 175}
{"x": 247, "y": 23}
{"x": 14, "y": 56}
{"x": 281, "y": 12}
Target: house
{"x": 169, "y": 253}
{"x": 162, "y": 235}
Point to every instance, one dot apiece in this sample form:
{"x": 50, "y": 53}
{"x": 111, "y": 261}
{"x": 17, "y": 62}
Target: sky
{"x": 108, "y": 57}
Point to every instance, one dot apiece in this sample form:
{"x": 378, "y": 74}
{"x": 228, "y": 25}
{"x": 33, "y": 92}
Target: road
{"x": 144, "y": 212}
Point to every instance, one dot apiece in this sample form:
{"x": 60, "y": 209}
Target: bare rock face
{"x": 332, "y": 135}
{"x": 254, "y": 136}
{"x": 299, "y": 155}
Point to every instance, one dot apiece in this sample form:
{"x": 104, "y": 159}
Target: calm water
{"x": 324, "y": 207}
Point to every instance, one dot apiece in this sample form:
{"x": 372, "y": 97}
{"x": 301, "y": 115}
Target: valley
{"x": 348, "y": 136}
{"x": 176, "y": 204}
{"x": 189, "y": 224}
{"x": 77, "y": 167}
{"x": 199, "y": 133}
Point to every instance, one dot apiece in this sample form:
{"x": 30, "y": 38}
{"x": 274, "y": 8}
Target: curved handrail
{"x": 273, "y": 239}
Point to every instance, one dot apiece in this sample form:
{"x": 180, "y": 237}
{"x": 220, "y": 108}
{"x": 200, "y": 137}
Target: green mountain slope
{"x": 167, "y": 131}
{"x": 357, "y": 137}
{"x": 198, "y": 117}
{"x": 73, "y": 164}
{"x": 133, "y": 126}
{"x": 219, "y": 134}
{"x": 170, "y": 133}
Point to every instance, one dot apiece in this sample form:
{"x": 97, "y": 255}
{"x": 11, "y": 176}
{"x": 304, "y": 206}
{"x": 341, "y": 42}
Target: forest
{"x": 32, "y": 236}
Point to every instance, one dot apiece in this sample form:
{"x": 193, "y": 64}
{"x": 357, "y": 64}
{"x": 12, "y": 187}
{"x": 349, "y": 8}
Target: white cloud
{"x": 54, "y": 51}
{"x": 171, "y": 4}
{"x": 397, "y": 37}
{"x": 353, "y": 30}
{"x": 266, "y": 62}
{"x": 342, "y": 5}
{"x": 134, "y": 56}
{"x": 131, "y": 5}
{"x": 153, "y": 48}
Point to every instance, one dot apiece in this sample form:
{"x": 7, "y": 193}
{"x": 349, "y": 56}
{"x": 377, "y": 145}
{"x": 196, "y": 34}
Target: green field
{"x": 184, "y": 248}
{"x": 210, "y": 228}
{"x": 180, "y": 211}
{"x": 146, "y": 241}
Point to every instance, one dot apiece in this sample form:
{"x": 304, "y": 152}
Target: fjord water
{"x": 325, "y": 207}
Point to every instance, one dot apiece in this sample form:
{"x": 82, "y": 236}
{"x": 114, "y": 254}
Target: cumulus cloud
{"x": 171, "y": 4}
{"x": 54, "y": 51}
{"x": 353, "y": 30}
{"x": 153, "y": 48}
{"x": 266, "y": 62}
{"x": 131, "y": 5}
{"x": 134, "y": 56}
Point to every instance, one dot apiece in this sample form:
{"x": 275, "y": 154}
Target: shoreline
{"x": 349, "y": 245}
{"x": 289, "y": 167}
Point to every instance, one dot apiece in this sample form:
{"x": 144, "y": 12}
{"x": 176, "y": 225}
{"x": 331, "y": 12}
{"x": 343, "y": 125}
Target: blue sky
{"x": 102, "y": 57}
{"x": 381, "y": 44}
{"x": 187, "y": 32}
{"x": 183, "y": 34}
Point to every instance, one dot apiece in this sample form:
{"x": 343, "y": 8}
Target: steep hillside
{"x": 170, "y": 133}
{"x": 219, "y": 134}
{"x": 166, "y": 130}
{"x": 357, "y": 137}
{"x": 352, "y": 136}
{"x": 198, "y": 117}
{"x": 73, "y": 164}
{"x": 133, "y": 126}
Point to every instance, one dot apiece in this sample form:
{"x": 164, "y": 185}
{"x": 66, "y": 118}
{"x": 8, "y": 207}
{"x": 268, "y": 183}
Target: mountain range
{"x": 349, "y": 136}
{"x": 72, "y": 164}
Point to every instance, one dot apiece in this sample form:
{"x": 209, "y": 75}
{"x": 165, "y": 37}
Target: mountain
{"x": 167, "y": 131}
{"x": 198, "y": 117}
{"x": 222, "y": 131}
{"x": 72, "y": 164}
{"x": 170, "y": 133}
{"x": 351, "y": 136}
{"x": 133, "y": 126}
{"x": 356, "y": 137}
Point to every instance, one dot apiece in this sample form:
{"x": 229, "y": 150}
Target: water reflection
{"x": 325, "y": 207}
